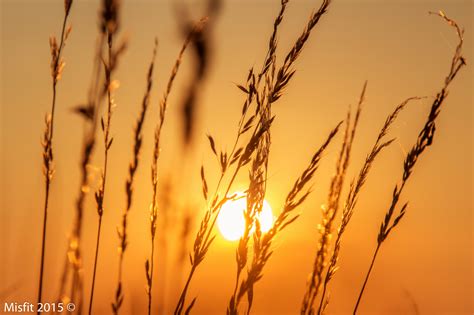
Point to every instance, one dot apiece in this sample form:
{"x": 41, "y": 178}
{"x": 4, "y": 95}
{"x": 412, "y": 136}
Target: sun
{"x": 231, "y": 221}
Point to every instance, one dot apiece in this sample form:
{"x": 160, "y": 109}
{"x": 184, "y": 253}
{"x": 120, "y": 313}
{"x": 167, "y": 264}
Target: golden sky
{"x": 395, "y": 45}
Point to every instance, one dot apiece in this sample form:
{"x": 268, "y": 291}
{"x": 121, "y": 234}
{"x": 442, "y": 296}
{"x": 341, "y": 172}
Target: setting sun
{"x": 231, "y": 221}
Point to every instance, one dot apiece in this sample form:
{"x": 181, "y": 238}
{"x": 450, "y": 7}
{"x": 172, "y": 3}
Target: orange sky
{"x": 395, "y": 45}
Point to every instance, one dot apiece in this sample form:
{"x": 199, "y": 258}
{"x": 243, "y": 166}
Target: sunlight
{"x": 231, "y": 221}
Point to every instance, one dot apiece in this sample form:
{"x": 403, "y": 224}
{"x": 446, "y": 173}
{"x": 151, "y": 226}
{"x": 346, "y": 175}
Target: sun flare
{"x": 231, "y": 221}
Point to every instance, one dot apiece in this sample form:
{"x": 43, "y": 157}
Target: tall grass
{"x": 57, "y": 66}
{"x": 108, "y": 24}
{"x": 272, "y": 90}
{"x": 257, "y": 176}
{"x": 149, "y": 264}
{"x": 251, "y": 149}
{"x": 274, "y": 83}
{"x": 352, "y": 197}
{"x": 262, "y": 242}
{"x": 132, "y": 169}
{"x": 424, "y": 140}
{"x": 105, "y": 124}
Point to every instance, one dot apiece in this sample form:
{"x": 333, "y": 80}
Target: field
{"x": 237, "y": 157}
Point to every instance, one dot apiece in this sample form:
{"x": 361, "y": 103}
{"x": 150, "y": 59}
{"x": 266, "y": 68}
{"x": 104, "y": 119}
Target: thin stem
{"x": 151, "y": 274}
{"x": 132, "y": 169}
{"x": 366, "y": 278}
{"x": 43, "y": 242}
{"x": 95, "y": 265}
{"x": 89, "y": 142}
{"x": 320, "y": 307}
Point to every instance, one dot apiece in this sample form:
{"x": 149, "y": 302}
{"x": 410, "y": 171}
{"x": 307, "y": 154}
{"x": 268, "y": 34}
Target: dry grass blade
{"x": 329, "y": 212}
{"x": 57, "y": 66}
{"x": 352, "y": 196}
{"x": 424, "y": 140}
{"x": 137, "y": 145}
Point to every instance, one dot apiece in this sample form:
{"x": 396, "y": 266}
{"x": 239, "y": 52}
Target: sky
{"x": 400, "y": 49}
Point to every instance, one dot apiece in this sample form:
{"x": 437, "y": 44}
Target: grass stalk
{"x": 329, "y": 212}
{"x": 149, "y": 264}
{"x": 201, "y": 46}
{"x": 132, "y": 169}
{"x": 424, "y": 140}
{"x": 242, "y": 156}
{"x": 367, "y": 275}
{"x": 258, "y": 174}
{"x": 108, "y": 23}
{"x": 100, "y": 194}
{"x": 352, "y": 197}
{"x": 57, "y": 66}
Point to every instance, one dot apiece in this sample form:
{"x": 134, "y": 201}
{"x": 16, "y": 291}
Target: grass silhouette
{"x": 250, "y": 151}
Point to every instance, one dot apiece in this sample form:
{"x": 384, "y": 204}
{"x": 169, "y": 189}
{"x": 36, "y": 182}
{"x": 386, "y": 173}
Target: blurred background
{"x": 426, "y": 265}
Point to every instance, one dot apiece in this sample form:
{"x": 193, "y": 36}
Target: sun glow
{"x": 231, "y": 221}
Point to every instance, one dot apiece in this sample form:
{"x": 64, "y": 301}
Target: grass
{"x": 330, "y": 210}
{"x": 351, "y": 200}
{"x": 89, "y": 112}
{"x": 250, "y": 150}
{"x": 424, "y": 140}
{"x": 149, "y": 266}
{"x": 108, "y": 140}
{"x": 132, "y": 169}
{"x": 57, "y": 66}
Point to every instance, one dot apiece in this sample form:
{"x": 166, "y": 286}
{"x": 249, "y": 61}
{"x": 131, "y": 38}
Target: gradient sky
{"x": 395, "y": 45}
